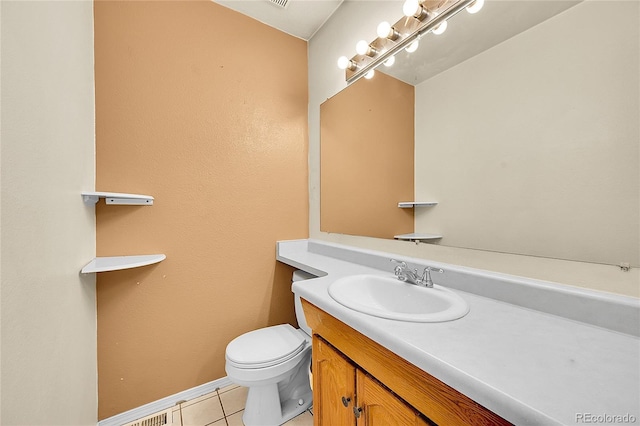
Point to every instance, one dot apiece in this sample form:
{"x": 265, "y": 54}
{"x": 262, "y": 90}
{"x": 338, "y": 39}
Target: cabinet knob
{"x": 357, "y": 411}
{"x": 346, "y": 401}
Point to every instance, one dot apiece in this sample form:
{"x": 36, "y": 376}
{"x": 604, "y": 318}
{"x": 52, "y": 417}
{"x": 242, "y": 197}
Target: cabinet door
{"x": 377, "y": 406}
{"x": 334, "y": 383}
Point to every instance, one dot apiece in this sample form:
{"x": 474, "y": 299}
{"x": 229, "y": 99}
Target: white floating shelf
{"x": 118, "y": 198}
{"x": 116, "y": 263}
{"x": 411, "y": 204}
{"x": 417, "y": 237}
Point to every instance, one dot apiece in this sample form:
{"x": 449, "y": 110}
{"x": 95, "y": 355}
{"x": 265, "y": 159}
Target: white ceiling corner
{"x": 301, "y": 18}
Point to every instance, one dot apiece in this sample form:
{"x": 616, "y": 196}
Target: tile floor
{"x": 224, "y": 407}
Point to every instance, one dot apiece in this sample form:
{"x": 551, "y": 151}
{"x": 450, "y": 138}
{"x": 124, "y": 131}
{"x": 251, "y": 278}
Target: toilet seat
{"x": 265, "y": 347}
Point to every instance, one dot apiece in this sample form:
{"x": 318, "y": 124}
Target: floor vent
{"x": 160, "y": 419}
{"x": 281, "y": 3}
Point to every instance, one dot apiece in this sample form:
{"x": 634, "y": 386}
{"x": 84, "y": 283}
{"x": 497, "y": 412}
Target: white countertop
{"x": 528, "y": 366}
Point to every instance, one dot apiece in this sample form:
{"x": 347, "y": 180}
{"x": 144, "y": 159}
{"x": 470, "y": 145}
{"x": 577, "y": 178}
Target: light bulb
{"x": 413, "y": 46}
{"x": 440, "y": 28}
{"x": 475, "y": 6}
{"x": 384, "y": 29}
{"x": 369, "y": 75}
{"x": 413, "y": 8}
{"x": 343, "y": 62}
{"x": 410, "y": 7}
{"x": 389, "y": 62}
{"x": 362, "y": 48}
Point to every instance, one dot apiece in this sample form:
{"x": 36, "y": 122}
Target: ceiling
{"x": 467, "y": 36}
{"x": 300, "y": 18}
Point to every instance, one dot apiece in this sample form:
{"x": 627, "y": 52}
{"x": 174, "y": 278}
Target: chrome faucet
{"x": 406, "y": 275}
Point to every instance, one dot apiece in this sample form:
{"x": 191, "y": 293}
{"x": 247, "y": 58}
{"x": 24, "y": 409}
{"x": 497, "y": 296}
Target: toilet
{"x": 273, "y": 362}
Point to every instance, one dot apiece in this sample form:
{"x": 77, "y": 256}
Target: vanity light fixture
{"x": 404, "y": 34}
{"x": 440, "y": 28}
{"x": 369, "y": 75}
{"x": 385, "y": 30}
{"x": 413, "y": 46}
{"x": 363, "y": 48}
{"x": 345, "y": 63}
{"x": 389, "y": 62}
{"x": 475, "y": 6}
{"x": 414, "y": 8}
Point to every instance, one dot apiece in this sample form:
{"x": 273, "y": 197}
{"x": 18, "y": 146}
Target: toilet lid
{"x": 265, "y": 347}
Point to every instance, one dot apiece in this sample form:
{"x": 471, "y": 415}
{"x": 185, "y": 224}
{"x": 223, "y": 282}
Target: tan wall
{"x": 206, "y": 110}
{"x": 371, "y": 121}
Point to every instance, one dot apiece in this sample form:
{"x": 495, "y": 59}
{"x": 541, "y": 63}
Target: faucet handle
{"x": 399, "y": 269}
{"x": 426, "y": 275}
{"x": 400, "y": 262}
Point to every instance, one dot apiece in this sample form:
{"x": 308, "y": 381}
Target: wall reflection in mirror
{"x": 526, "y": 130}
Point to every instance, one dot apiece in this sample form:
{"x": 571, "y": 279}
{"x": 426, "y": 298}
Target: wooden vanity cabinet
{"x": 380, "y": 407}
{"x": 334, "y": 386}
{"x": 357, "y": 382}
{"x": 345, "y": 395}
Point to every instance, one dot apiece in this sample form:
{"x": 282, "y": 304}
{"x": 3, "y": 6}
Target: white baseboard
{"x": 164, "y": 403}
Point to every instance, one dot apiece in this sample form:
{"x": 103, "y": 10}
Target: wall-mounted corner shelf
{"x": 118, "y": 198}
{"x": 116, "y": 263}
{"x": 412, "y": 204}
{"x": 416, "y": 236}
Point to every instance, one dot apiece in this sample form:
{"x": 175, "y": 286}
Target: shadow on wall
{"x": 281, "y": 307}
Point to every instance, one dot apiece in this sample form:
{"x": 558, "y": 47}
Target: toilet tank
{"x": 302, "y": 322}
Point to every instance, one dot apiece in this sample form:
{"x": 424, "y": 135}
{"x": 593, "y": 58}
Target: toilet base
{"x": 276, "y": 403}
{"x": 269, "y": 411}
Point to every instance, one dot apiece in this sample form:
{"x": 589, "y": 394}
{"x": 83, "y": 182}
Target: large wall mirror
{"x": 525, "y": 131}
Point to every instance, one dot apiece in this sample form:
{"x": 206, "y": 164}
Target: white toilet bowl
{"x": 273, "y": 362}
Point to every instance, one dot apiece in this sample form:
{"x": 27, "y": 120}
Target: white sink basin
{"x": 388, "y": 297}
